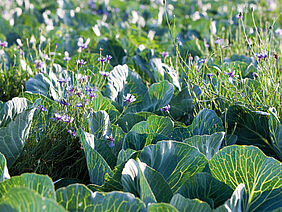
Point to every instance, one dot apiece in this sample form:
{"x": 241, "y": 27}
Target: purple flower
{"x": 111, "y": 141}
{"x": 165, "y": 54}
{"x": 67, "y": 119}
{"x": 108, "y": 57}
{"x": 262, "y": 55}
{"x": 82, "y": 78}
{"x": 81, "y": 62}
{"x": 255, "y": 75}
{"x": 92, "y": 89}
{"x": 57, "y": 117}
{"x": 166, "y": 108}
{"x": 61, "y": 81}
{"x": 102, "y": 60}
{"x": 117, "y": 9}
{"x": 92, "y": 95}
{"x": 104, "y": 73}
{"x": 65, "y": 103}
{"x": 70, "y": 88}
{"x": 41, "y": 108}
{"x": 238, "y": 16}
{"x": 79, "y": 105}
{"x": 38, "y": 63}
{"x": 202, "y": 61}
{"x": 73, "y": 133}
{"x": 66, "y": 58}
{"x": 207, "y": 45}
{"x": 4, "y": 44}
{"x": 81, "y": 44}
{"x": 219, "y": 41}
{"x": 231, "y": 75}
{"x": 129, "y": 98}
{"x": 278, "y": 32}
{"x": 210, "y": 75}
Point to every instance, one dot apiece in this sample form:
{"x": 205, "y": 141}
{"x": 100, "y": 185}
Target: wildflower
{"x": 81, "y": 62}
{"x": 111, "y": 141}
{"x": 70, "y": 88}
{"x": 4, "y": 44}
{"x": 82, "y": 45}
{"x": 207, "y": 45}
{"x": 165, "y": 54}
{"x": 92, "y": 89}
{"x": 41, "y": 108}
{"x": 67, "y": 119}
{"x": 238, "y": 16}
{"x": 129, "y": 98}
{"x": 61, "y": 81}
{"x": 104, "y": 73}
{"x": 79, "y": 105}
{"x": 202, "y": 61}
{"x": 65, "y": 103}
{"x": 57, "y": 117}
{"x": 166, "y": 108}
{"x": 108, "y": 57}
{"x": 38, "y": 63}
{"x": 262, "y": 55}
{"x": 210, "y": 75}
{"x": 231, "y": 75}
{"x": 219, "y": 41}
{"x": 73, "y": 133}
{"x": 255, "y": 75}
{"x": 278, "y": 32}
{"x": 66, "y": 57}
{"x": 82, "y": 78}
{"x": 102, "y": 60}
{"x": 92, "y": 95}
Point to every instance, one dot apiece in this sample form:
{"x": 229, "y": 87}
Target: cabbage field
{"x": 136, "y": 106}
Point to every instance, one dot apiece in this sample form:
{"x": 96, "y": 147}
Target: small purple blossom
{"x": 92, "y": 95}
{"x": 108, "y": 57}
{"x": 38, "y": 63}
{"x": 63, "y": 81}
{"x": 231, "y": 75}
{"x": 104, "y": 73}
{"x": 238, "y": 16}
{"x": 102, "y": 60}
{"x": 66, "y": 58}
{"x": 67, "y": 119}
{"x": 81, "y": 62}
{"x": 46, "y": 57}
{"x": 79, "y": 105}
{"x": 70, "y": 88}
{"x": 73, "y": 133}
{"x": 166, "y": 108}
{"x": 92, "y": 89}
{"x": 57, "y": 117}
{"x": 210, "y": 75}
{"x": 81, "y": 44}
{"x": 165, "y": 54}
{"x": 129, "y": 98}
{"x": 207, "y": 45}
{"x": 219, "y": 41}
{"x": 4, "y": 44}
{"x": 111, "y": 141}
{"x": 65, "y": 103}
{"x": 41, "y": 108}
{"x": 202, "y": 61}
{"x": 262, "y": 55}
{"x": 278, "y": 32}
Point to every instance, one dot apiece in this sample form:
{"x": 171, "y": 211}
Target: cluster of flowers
{"x": 4, "y": 44}
{"x": 63, "y": 118}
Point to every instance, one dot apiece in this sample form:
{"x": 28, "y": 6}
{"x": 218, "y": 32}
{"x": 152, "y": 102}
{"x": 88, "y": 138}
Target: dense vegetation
{"x": 140, "y": 105}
